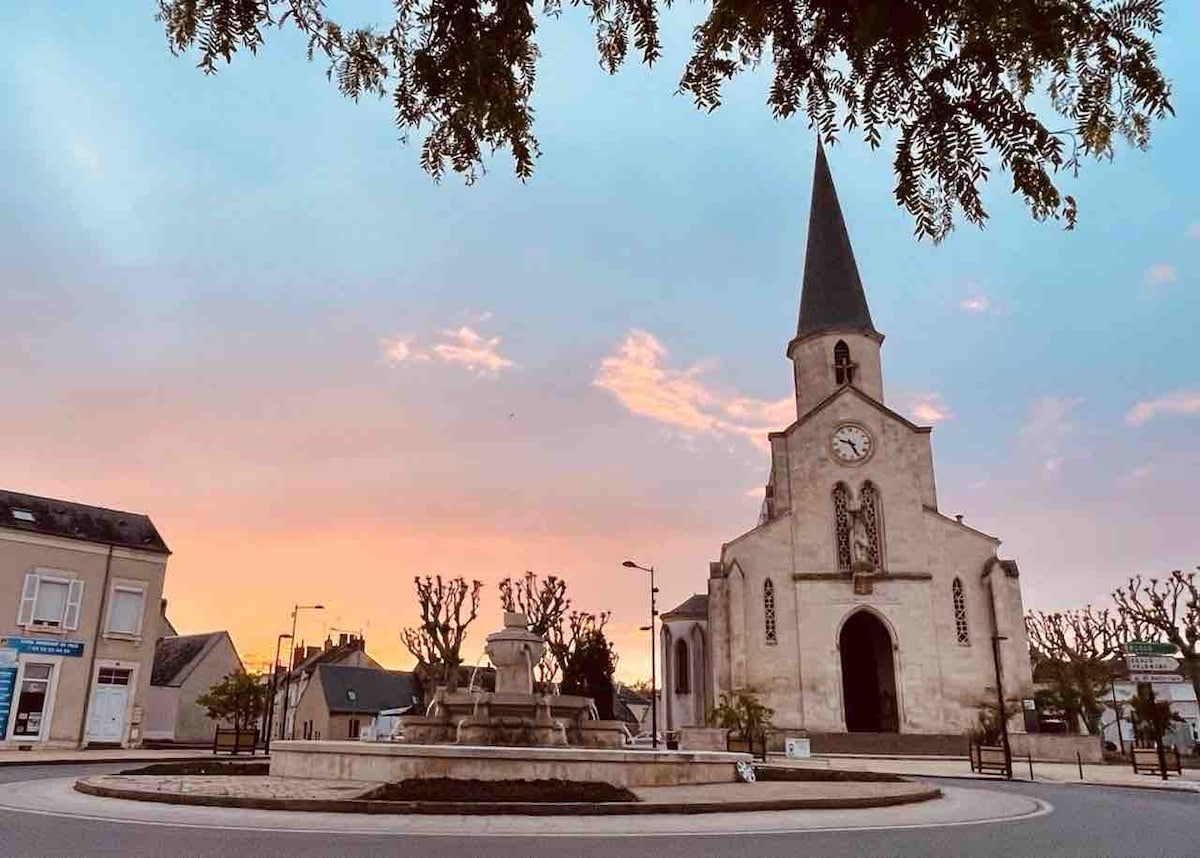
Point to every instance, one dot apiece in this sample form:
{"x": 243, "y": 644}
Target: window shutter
{"x": 139, "y": 605}
{"x": 28, "y": 599}
{"x": 74, "y": 600}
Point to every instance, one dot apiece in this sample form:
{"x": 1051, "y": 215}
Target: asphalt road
{"x": 1088, "y": 822}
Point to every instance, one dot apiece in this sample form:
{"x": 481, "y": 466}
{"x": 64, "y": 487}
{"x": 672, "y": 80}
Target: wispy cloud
{"x": 1177, "y": 402}
{"x": 1193, "y": 231}
{"x": 1050, "y": 419}
{"x": 1139, "y": 473}
{"x": 1161, "y": 272}
{"x": 636, "y": 372}
{"x": 462, "y": 346}
{"x": 924, "y": 407}
{"x": 976, "y": 303}
{"x": 1048, "y": 427}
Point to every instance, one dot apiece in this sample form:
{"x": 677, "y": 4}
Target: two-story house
{"x": 80, "y": 588}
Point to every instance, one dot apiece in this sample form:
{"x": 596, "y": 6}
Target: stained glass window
{"x": 960, "y": 613}
{"x": 841, "y": 518}
{"x": 868, "y": 501}
{"x": 769, "y": 610}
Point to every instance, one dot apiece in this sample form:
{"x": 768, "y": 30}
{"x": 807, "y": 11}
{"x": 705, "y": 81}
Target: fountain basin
{"x": 395, "y": 761}
{"x": 511, "y": 718}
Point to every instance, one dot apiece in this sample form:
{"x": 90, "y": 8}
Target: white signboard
{"x": 1146, "y": 663}
{"x": 797, "y": 749}
{"x": 1155, "y": 677}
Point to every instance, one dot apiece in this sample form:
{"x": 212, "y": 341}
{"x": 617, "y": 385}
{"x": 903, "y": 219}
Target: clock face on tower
{"x": 851, "y": 444}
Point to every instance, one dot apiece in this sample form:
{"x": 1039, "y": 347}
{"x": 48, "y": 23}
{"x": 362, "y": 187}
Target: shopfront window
{"x": 31, "y": 703}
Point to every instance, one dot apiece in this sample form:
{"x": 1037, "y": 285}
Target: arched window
{"x": 841, "y": 522}
{"x": 960, "y": 613}
{"x": 843, "y": 370}
{"x": 868, "y": 502}
{"x": 682, "y": 685}
{"x": 769, "y": 610}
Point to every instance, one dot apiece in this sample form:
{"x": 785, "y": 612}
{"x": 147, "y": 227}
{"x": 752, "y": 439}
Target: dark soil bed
{"x": 450, "y": 789}
{"x": 781, "y": 773}
{"x": 203, "y": 767}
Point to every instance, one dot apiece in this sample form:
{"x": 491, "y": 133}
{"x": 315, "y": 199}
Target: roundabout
{"x": 58, "y": 797}
{"x": 42, "y": 815}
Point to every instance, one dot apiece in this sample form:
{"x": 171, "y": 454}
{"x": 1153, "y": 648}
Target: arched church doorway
{"x": 868, "y": 675}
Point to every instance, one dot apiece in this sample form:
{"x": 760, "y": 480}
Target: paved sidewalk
{"x": 315, "y": 795}
{"x": 52, "y": 757}
{"x": 948, "y": 767}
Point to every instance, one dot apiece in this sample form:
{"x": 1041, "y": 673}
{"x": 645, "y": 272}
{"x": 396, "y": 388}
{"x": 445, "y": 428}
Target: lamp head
{"x": 629, "y": 564}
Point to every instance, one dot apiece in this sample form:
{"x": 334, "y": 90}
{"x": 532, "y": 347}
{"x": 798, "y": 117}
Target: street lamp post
{"x": 287, "y": 679}
{"x": 274, "y": 681}
{"x": 996, "y": 639}
{"x": 629, "y": 564}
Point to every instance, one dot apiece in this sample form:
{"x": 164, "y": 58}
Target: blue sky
{"x": 237, "y": 304}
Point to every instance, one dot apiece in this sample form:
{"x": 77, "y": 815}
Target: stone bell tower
{"x": 836, "y": 343}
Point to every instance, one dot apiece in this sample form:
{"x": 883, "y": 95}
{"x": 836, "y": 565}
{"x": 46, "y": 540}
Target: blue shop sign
{"x": 42, "y": 646}
{"x": 8, "y": 679}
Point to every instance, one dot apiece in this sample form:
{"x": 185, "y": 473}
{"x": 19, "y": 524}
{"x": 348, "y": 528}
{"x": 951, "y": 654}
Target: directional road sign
{"x": 1155, "y": 677}
{"x": 1150, "y": 648}
{"x": 1151, "y": 663}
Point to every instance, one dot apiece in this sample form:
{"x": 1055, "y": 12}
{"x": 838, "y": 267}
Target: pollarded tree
{"x": 1172, "y": 608}
{"x": 1032, "y": 87}
{"x": 547, "y": 610}
{"x": 1073, "y": 650}
{"x": 447, "y": 609}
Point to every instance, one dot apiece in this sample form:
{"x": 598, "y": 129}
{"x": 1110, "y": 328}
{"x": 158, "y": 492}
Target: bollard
{"x": 1079, "y": 760}
{"x": 1031, "y": 766}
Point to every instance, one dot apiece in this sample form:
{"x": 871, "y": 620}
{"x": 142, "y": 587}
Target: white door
{"x": 110, "y": 698}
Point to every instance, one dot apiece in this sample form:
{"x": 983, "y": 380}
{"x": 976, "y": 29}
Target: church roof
{"x": 694, "y": 607}
{"x": 849, "y": 389}
{"x": 832, "y": 296}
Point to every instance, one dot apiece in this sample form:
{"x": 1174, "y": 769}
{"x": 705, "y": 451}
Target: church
{"x": 855, "y": 605}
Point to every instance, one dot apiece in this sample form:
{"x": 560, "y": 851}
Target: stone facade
{"x": 854, "y": 604}
{"x": 80, "y": 588}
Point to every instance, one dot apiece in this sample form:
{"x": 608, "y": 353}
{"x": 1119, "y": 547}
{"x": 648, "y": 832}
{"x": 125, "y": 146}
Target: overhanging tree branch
{"x": 954, "y": 80}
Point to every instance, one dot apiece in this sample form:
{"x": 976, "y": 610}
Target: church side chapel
{"x": 854, "y": 605}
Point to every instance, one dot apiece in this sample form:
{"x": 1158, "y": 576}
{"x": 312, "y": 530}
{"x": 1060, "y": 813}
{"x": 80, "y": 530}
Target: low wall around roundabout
{"x": 390, "y": 762}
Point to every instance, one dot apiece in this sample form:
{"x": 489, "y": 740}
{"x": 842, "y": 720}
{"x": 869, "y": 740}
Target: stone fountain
{"x": 511, "y": 733}
{"x": 514, "y": 714}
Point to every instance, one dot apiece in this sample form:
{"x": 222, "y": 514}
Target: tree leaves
{"x": 955, "y": 80}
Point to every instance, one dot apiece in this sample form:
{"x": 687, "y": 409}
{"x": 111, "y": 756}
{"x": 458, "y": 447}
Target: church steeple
{"x": 836, "y": 343}
{"x": 832, "y": 297}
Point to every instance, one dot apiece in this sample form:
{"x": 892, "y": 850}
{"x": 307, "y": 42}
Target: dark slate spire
{"x": 832, "y": 296}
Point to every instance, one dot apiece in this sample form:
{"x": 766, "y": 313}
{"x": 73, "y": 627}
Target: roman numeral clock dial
{"x": 851, "y": 444}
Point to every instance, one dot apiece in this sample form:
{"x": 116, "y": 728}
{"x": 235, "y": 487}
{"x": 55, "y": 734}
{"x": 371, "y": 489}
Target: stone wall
{"x": 380, "y": 761}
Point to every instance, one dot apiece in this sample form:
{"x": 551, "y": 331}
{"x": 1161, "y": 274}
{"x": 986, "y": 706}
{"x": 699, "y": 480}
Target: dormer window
{"x": 843, "y": 369}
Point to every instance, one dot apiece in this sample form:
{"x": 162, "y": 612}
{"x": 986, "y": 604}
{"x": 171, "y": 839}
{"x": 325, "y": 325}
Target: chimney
{"x": 343, "y": 639}
{"x": 328, "y": 643}
{"x": 310, "y": 651}
{"x": 297, "y": 656}
{"x": 958, "y": 518}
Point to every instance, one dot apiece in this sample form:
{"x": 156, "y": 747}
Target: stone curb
{"x": 98, "y": 761}
{"x": 458, "y": 808}
{"x": 998, "y": 780}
